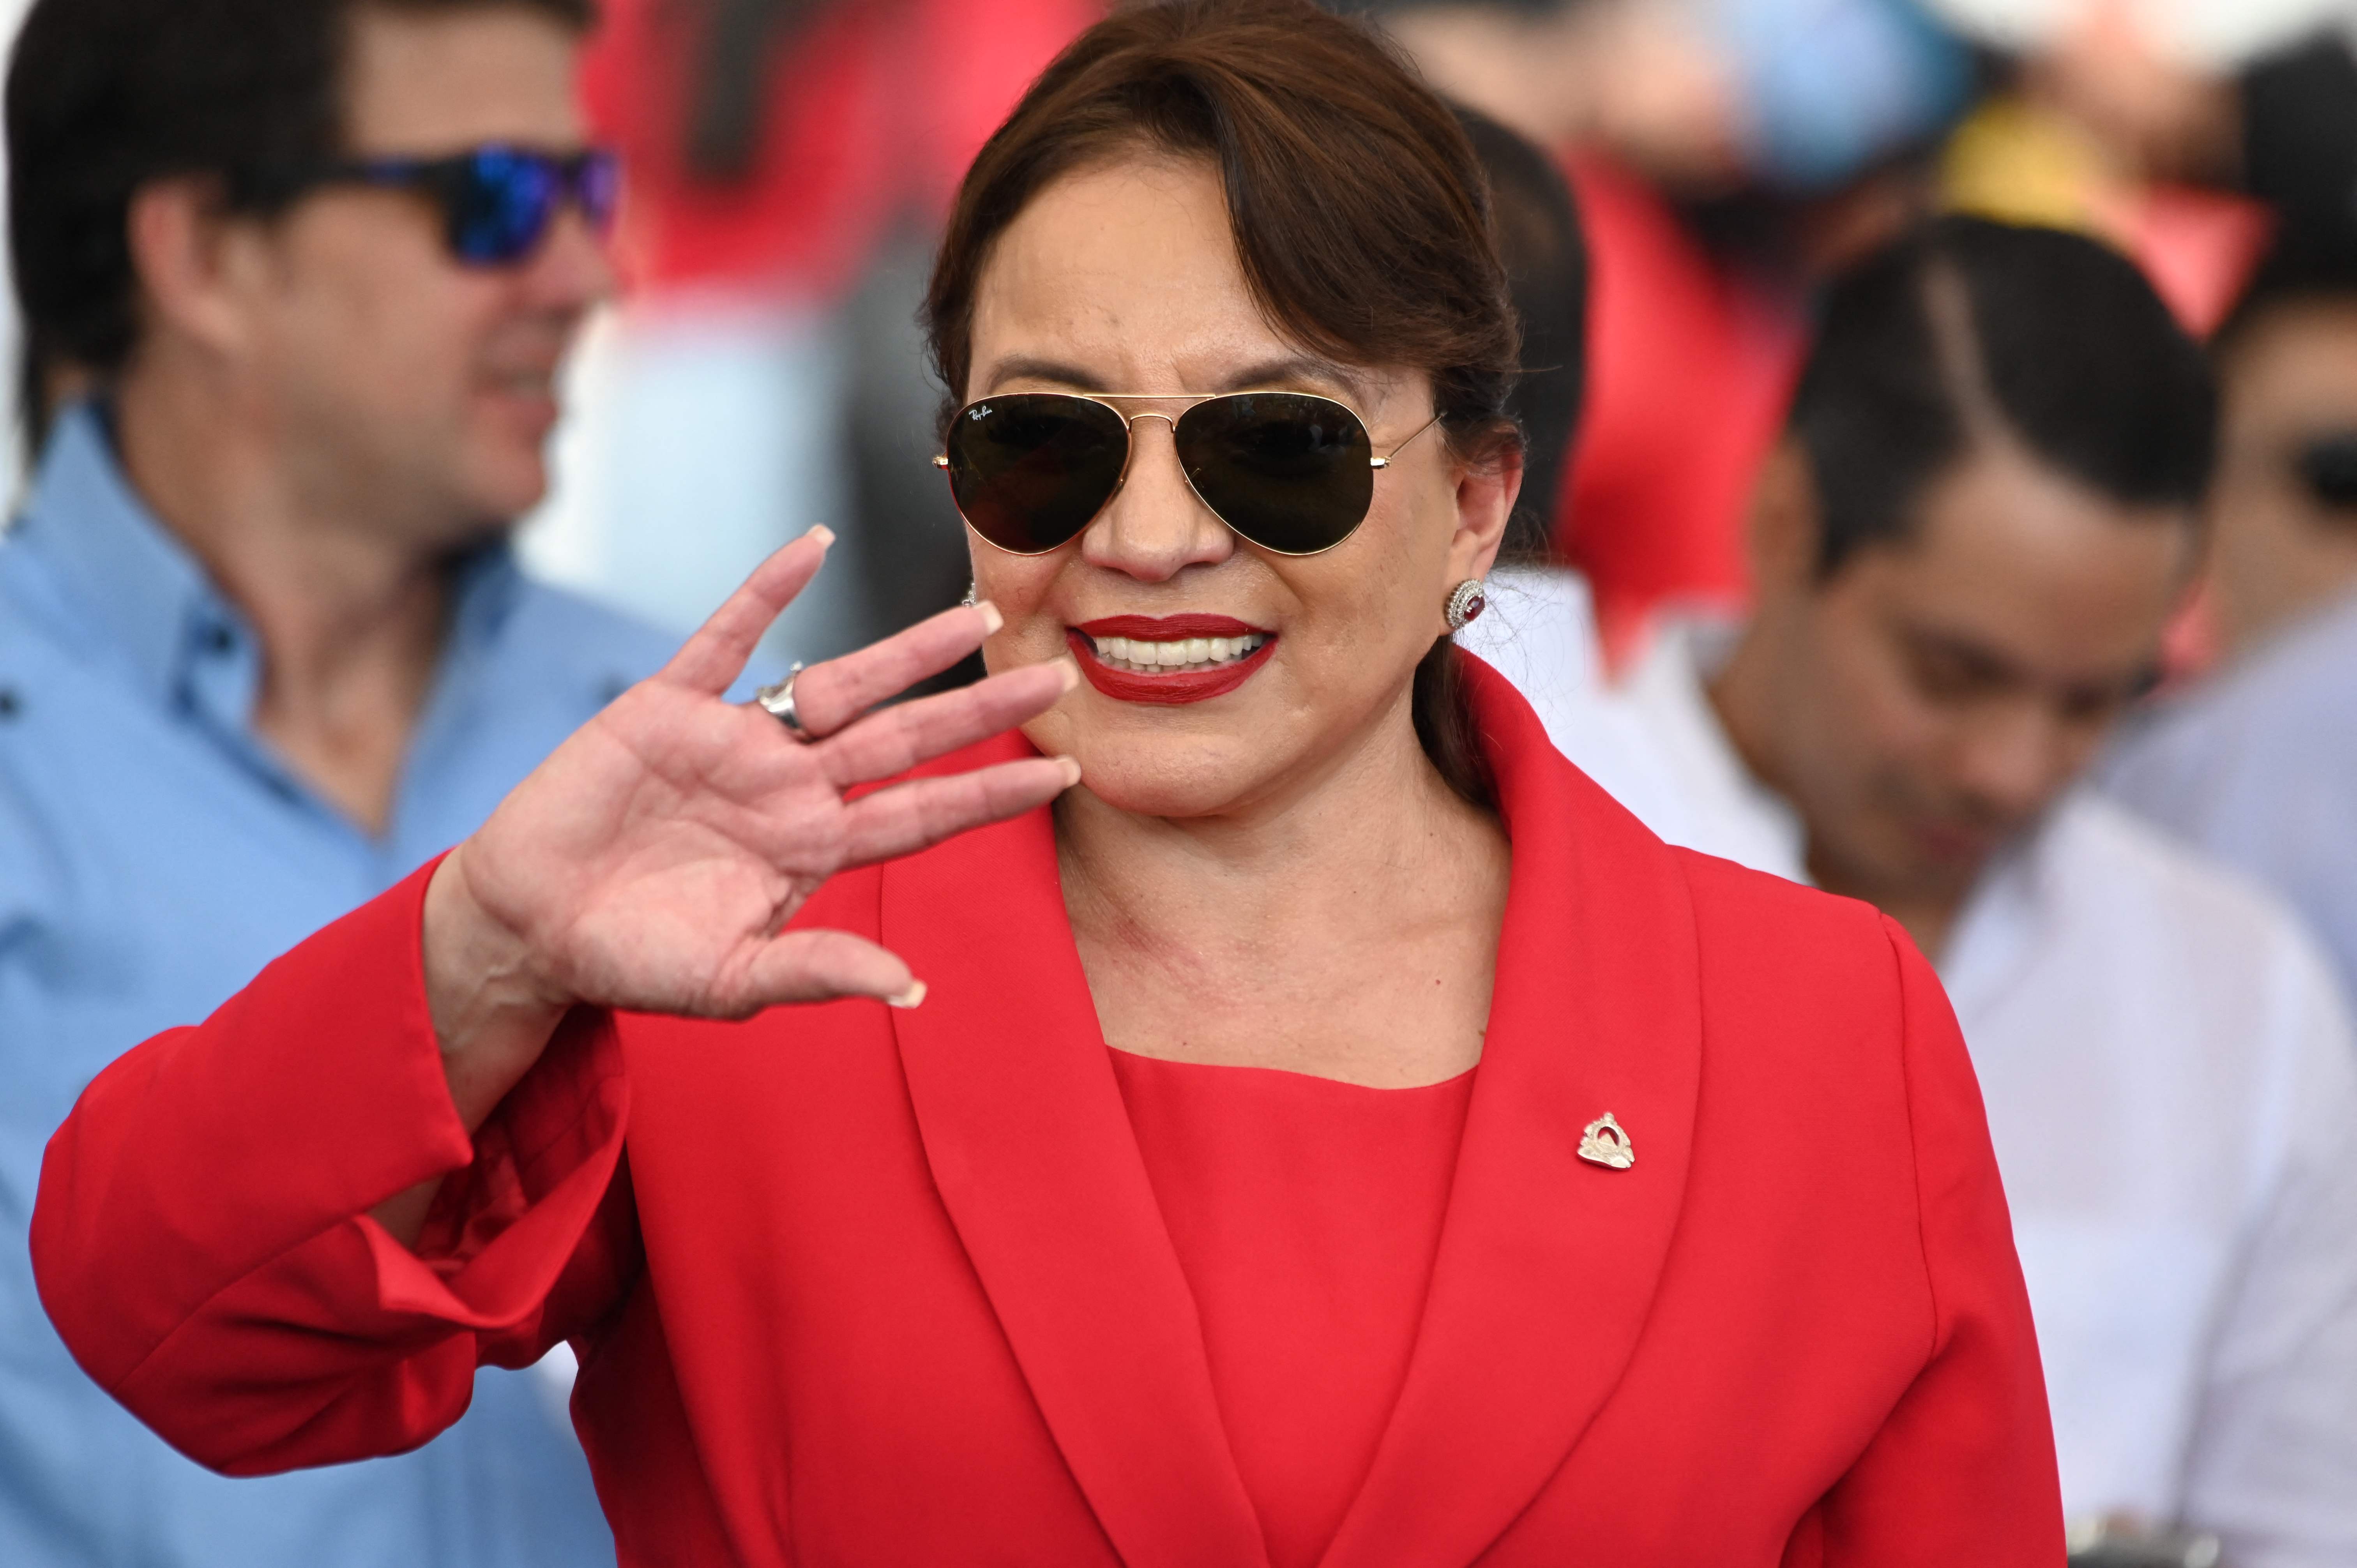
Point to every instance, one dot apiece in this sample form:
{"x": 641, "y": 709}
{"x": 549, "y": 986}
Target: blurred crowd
{"x": 1728, "y": 156}
{"x": 1942, "y": 486}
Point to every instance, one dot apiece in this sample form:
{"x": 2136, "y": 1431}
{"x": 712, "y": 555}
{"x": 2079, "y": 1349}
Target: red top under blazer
{"x": 854, "y": 1286}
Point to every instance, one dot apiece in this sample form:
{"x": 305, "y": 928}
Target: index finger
{"x": 711, "y": 660}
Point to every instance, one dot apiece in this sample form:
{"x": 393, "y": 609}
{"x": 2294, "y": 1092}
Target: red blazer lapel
{"x": 1547, "y": 1262}
{"x": 1031, "y": 1149}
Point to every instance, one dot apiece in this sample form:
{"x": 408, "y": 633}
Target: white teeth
{"x": 1140, "y": 655}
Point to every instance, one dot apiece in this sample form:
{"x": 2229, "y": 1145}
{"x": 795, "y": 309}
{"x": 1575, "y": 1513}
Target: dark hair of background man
{"x": 1535, "y": 222}
{"x": 1967, "y": 330}
{"x": 2299, "y": 268}
{"x": 2299, "y": 144}
{"x": 2299, "y": 154}
{"x": 105, "y": 96}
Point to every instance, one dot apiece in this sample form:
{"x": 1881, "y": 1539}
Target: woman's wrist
{"x": 494, "y": 1012}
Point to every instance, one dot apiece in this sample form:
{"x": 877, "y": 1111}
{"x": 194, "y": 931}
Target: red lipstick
{"x": 1168, "y": 629}
{"x": 1180, "y": 686}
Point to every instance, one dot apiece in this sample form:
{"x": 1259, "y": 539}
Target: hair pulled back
{"x": 1360, "y": 216}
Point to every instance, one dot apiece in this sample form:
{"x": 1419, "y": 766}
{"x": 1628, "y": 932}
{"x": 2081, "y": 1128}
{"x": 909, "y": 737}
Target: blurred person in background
{"x": 2283, "y": 512}
{"x": 2179, "y": 132}
{"x": 1727, "y": 155}
{"x": 11, "y": 447}
{"x": 787, "y": 163}
{"x": 1538, "y": 629}
{"x": 1966, "y": 551}
{"x": 1535, "y": 221}
{"x": 2258, "y": 764}
{"x": 2297, "y": 144}
{"x": 263, "y": 646}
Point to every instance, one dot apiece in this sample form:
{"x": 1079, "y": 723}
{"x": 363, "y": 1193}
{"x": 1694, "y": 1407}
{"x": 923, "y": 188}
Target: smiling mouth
{"x": 1175, "y": 656}
{"x": 1169, "y": 660}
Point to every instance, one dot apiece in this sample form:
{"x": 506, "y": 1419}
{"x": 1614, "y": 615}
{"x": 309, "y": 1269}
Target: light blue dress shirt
{"x": 154, "y": 855}
{"x": 2258, "y": 766}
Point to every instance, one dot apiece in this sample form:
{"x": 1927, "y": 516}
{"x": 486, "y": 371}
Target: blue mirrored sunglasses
{"x": 497, "y": 201}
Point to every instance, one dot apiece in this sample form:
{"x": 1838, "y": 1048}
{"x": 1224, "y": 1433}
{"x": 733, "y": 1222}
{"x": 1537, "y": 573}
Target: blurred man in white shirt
{"x": 1966, "y": 551}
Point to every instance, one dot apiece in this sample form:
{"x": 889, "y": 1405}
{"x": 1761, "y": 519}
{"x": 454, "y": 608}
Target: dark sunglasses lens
{"x": 1031, "y": 470}
{"x": 1289, "y": 472}
{"x": 501, "y": 206}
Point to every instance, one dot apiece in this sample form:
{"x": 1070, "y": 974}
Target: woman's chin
{"x": 1172, "y": 776}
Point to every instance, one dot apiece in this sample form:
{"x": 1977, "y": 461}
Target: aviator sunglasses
{"x": 1290, "y": 472}
{"x": 497, "y": 201}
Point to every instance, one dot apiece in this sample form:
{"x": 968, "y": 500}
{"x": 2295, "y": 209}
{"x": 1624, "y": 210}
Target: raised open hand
{"x": 652, "y": 861}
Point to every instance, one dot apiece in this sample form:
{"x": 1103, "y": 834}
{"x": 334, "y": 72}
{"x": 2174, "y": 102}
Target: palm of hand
{"x": 653, "y": 861}
{"x": 652, "y": 864}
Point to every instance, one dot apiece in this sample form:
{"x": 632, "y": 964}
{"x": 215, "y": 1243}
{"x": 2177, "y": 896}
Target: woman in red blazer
{"x": 1334, "y": 1134}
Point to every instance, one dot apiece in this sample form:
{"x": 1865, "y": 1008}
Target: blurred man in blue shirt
{"x": 2258, "y": 763}
{"x": 309, "y": 267}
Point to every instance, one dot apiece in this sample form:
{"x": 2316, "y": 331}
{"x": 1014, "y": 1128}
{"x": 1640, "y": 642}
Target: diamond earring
{"x": 1466, "y": 605}
{"x": 968, "y": 602}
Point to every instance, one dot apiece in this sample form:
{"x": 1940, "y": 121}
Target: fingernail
{"x": 823, "y": 533}
{"x": 912, "y": 997}
{"x": 1069, "y": 669}
{"x": 990, "y": 619}
{"x": 1072, "y": 771}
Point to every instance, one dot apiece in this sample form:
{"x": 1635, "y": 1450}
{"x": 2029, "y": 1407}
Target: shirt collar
{"x": 1750, "y": 822}
{"x": 123, "y": 571}
{"x": 118, "y": 566}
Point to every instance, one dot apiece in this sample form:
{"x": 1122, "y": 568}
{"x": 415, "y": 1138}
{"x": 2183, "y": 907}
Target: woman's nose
{"x": 1155, "y": 526}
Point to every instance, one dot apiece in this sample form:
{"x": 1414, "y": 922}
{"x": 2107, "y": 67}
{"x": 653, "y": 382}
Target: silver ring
{"x": 777, "y": 702}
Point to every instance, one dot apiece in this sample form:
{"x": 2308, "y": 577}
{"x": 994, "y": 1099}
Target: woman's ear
{"x": 1485, "y": 502}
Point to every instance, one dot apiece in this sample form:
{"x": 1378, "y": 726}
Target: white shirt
{"x": 2172, "y": 1088}
{"x": 1539, "y": 632}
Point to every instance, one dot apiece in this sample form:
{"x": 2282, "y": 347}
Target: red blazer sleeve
{"x": 200, "y": 1237}
{"x": 1963, "y": 1469}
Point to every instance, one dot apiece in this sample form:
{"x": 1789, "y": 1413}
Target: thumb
{"x": 820, "y": 966}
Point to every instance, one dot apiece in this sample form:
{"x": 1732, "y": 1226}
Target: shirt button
{"x": 219, "y": 640}
{"x": 10, "y": 704}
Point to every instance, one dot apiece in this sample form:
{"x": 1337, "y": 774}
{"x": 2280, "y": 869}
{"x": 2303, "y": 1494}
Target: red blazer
{"x": 852, "y": 1286}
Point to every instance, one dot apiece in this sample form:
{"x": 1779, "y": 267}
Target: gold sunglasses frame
{"x": 1193, "y": 400}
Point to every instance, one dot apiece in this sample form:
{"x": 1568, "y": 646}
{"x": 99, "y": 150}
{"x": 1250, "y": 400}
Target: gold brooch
{"x": 1606, "y": 1142}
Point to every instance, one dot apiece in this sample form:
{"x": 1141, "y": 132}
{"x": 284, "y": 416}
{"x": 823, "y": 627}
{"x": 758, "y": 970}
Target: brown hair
{"x": 1362, "y": 219}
